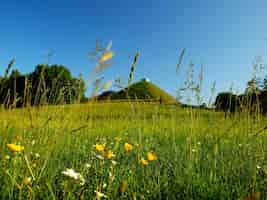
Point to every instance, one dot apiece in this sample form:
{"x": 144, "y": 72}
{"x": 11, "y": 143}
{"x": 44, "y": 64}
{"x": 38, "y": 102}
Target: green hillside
{"x": 142, "y": 90}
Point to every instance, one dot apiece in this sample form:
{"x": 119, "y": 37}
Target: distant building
{"x": 145, "y": 79}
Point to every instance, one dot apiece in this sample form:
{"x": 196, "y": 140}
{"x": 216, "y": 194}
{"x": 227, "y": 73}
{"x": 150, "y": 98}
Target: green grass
{"x": 201, "y": 155}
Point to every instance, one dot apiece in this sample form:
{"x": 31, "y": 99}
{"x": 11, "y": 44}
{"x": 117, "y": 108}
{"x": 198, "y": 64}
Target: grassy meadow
{"x": 131, "y": 150}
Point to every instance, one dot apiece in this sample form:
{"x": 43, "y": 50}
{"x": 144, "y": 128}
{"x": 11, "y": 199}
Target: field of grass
{"x": 194, "y": 154}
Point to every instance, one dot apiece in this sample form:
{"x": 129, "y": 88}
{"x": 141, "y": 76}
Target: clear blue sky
{"x": 224, "y": 36}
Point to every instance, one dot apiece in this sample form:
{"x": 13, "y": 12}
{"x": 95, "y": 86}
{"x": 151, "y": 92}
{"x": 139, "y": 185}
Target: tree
{"x": 55, "y": 84}
{"x": 227, "y": 102}
{"x": 45, "y": 85}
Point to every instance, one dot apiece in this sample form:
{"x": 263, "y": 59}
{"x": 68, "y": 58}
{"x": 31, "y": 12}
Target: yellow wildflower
{"x": 99, "y": 147}
{"x": 144, "y": 161}
{"x": 151, "y": 156}
{"x": 109, "y": 154}
{"x": 105, "y": 56}
{"x": 15, "y": 148}
{"x": 128, "y": 147}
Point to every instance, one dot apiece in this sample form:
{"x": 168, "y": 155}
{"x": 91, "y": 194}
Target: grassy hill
{"x": 142, "y": 90}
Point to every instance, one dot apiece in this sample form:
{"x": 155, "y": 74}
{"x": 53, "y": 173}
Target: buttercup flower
{"x": 99, "y": 147}
{"x": 15, "y": 148}
{"x": 128, "y": 147}
{"x": 109, "y": 154}
{"x": 151, "y": 156}
{"x": 144, "y": 161}
{"x": 74, "y": 175}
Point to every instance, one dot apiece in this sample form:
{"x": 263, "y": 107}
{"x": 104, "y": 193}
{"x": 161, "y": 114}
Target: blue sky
{"x": 224, "y": 36}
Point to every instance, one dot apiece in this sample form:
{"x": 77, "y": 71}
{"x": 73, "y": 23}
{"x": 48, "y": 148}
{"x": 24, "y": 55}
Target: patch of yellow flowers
{"x": 108, "y": 154}
{"x": 150, "y": 157}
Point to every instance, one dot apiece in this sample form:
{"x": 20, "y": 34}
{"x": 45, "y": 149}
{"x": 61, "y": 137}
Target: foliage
{"x": 254, "y": 99}
{"x": 45, "y": 85}
{"x": 226, "y": 101}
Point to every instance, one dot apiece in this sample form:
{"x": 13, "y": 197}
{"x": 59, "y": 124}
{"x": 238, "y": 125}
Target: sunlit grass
{"x": 130, "y": 151}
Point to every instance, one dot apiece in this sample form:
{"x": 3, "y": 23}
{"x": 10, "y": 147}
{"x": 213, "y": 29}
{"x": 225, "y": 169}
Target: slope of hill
{"x": 142, "y": 90}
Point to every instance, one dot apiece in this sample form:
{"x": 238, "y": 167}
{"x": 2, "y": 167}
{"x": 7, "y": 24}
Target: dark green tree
{"x": 45, "y": 85}
{"x": 54, "y": 85}
{"x": 227, "y": 102}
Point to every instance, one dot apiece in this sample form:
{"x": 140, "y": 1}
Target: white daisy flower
{"x": 74, "y": 175}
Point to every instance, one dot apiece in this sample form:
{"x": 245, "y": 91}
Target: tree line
{"x": 254, "y": 99}
{"x": 47, "y": 84}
